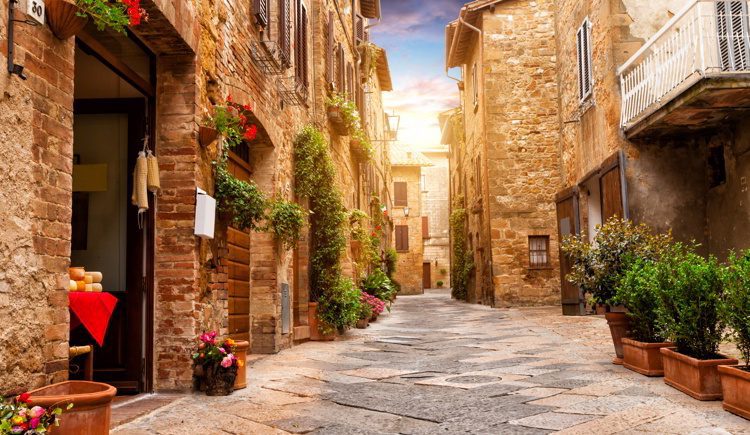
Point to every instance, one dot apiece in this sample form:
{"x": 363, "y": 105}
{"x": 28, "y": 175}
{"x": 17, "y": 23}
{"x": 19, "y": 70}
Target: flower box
{"x": 643, "y": 358}
{"x": 735, "y": 385}
{"x": 336, "y": 118}
{"x": 694, "y": 377}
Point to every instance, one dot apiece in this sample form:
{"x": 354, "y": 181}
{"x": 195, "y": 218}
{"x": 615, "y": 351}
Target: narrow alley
{"x": 439, "y": 366}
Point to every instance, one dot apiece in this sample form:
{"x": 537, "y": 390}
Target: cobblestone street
{"x": 439, "y": 366}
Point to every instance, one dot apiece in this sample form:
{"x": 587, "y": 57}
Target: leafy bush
{"x": 286, "y": 220}
{"x": 639, "y": 293}
{"x": 339, "y": 307}
{"x": 463, "y": 261}
{"x": 736, "y": 307}
{"x": 376, "y": 305}
{"x": 598, "y": 267}
{"x": 379, "y": 285}
{"x": 440, "y": 283}
{"x": 391, "y": 259}
{"x": 243, "y": 200}
{"x": 690, "y": 291}
{"x": 365, "y": 309}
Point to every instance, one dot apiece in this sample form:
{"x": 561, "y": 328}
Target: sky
{"x": 412, "y": 32}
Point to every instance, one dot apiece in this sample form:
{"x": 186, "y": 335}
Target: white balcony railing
{"x": 708, "y": 38}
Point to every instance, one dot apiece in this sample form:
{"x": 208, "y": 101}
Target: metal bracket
{"x": 13, "y": 68}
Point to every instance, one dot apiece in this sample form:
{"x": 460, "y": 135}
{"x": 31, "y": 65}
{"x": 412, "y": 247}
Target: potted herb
{"x": 18, "y": 415}
{"x": 637, "y": 291}
{"x": 215, "y": 362}
{"x": 735, "y": 380}
{"x": 690, "y": 292}
{"x": 598, "y": 267}
{"x": 67, "y": 18}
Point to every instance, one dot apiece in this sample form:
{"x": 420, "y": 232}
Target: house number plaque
{"x": 35, "y": 10}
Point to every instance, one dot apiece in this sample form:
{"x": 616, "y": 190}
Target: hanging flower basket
{"x": 64, "y": 18}
{"x": 336, "y": 118}
{"x": 358, "y": 149}
{"x": 206, "y": 135}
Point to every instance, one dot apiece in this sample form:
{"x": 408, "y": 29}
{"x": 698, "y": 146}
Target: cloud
{"x": 424, "y": 19}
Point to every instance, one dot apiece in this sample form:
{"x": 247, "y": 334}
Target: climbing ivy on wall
{"x": 463, "y": 262}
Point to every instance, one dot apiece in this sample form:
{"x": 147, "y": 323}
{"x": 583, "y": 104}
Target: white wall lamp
{"x": 406, "y": 211}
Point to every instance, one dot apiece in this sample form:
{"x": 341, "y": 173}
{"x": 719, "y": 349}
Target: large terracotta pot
{"x": 363, "y": 323}
{"x": 644, "y": 358}
{"x": 91, "y": 410}
{"x": 240, "y": 351}
{"x": 618, "y": 327}
{"x": 314, "y": 322}
{"x": 63, "y": 18}
{"x": 735, "y": 384}
{"x": 694, "y": 377}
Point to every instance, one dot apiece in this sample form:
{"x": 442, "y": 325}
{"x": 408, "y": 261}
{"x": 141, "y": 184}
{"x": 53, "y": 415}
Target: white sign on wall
{"x": 35, "y": 10}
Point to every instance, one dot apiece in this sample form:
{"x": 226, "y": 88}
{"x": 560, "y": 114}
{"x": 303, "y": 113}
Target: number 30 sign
{"x": 35, "y": 10}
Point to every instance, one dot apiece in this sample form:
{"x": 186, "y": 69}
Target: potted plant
{"x": 343, "y": 114}
{"x": 338, "y": 309}
{"x": 690, "y": 291}
{"x": 318, "y": 332}
{"x": 379, "y": 285}
{"x": 365, "y": 312}
{"x": 91, "y": 405}
{"x": 735, "y": 380}
{"x": 440, "y": 284}
{"x": 638, "y": 293}
{"x": 376, "y": 305}
{"x": 19, "y": 416}
{"x": 216, "y": 363}
{"x": 67, "y": 18}
{"x": 598, "y": 267}
{"x": 240, "y": 351}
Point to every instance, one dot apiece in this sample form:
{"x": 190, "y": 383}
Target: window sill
{"x": 541, "y": 268}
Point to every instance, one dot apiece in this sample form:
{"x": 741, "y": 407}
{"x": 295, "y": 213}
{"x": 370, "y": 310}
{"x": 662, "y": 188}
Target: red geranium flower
{"x": 251, "y": 132}
{"x": 229, "y": 98}
{"x": 247, "y": 107}
{"x": 24, "y": 397}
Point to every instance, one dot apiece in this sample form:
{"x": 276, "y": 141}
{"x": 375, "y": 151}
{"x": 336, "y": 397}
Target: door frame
{"x": 570, "y": 193}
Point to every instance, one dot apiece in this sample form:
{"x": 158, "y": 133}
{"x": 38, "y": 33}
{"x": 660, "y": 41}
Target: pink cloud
{"x": 417, "y": 18}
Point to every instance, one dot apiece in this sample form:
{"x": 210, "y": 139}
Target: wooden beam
{"x": 118, "y": 66}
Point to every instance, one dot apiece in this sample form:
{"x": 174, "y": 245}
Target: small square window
{"x": 539, "y": 252}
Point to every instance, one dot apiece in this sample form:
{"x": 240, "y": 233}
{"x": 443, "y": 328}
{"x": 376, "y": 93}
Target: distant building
{"x": 434, "y": 183}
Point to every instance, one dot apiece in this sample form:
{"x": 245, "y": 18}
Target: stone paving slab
{"x": 437, "y": 366}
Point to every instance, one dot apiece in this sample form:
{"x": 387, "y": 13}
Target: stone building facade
{"x": 160, "y": 82}
{"x": 508, "y": 168}
{"x": 407, "y": 212}
{"x": 673, "y": 156}
{"x": 435, "y": 187}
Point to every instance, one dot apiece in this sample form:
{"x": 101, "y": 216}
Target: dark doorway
{"x": 426, "y": 276}
{"x": 113, "y": 113}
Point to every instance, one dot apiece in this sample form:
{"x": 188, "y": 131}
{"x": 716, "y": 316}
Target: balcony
{"x": 693, "y": 74}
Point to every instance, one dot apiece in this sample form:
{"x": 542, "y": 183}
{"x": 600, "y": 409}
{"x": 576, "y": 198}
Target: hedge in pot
{"x": 598, "y": 266}
{"x": 215, "y": 363}
{"x": 637, "y": 291}
{"x": 690, "y": 290}
{"x": 338, "y": 308}
{"x": 735, "y": 380}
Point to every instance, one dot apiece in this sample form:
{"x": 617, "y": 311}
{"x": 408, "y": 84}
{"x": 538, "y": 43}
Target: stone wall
{"x": 409, "y": 266}
{"x": 436, "y": 206}
{"x": 522, "y": 148}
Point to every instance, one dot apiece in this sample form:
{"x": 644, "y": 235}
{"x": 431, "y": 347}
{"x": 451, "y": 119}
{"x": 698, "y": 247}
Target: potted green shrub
{"x": 338, "y": 309}
{"x": 440, "y": 284}
{"x": 637, "y": 291}
{"x": 690, "y": 290}
{"x": 735, "y": 380}
{"x": 598, "y": 267}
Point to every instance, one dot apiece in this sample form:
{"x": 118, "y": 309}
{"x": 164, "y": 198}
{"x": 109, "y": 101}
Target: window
{"x": 359, "y": 30}
{"x": 585, "y": 75}
{"x": 261, "y": 8}
{"x": 539, "y": 252}
{"x": 475, "y": 85}
{"x": 717, "y": 170}
{"x": 340, "y": 79}
{"x": 734, "y": 42}
{"x": 402, "y": 238}
{"x": 425, "y": 227}
{"x": 423, "y": 182}
{"x": 330, "y": 55}
{"x": 400, "y": 197}
{"x": 285, "y": 36}
{"x": 300, "y": 49}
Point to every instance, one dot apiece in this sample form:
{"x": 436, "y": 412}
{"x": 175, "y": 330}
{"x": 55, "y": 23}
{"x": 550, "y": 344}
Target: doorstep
{"x": 301, "y": 332}
{"x": 127, "y": 408}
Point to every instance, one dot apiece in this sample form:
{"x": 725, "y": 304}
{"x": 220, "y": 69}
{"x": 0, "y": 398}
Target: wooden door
{"x": 611, "y": 193}
{"x": 573, "y": 303}
{"x": 238, "y": 262}
{"x": 426, "y": 276}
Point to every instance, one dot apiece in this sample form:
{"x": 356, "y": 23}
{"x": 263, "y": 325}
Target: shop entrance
{"x": 113, "y": 113}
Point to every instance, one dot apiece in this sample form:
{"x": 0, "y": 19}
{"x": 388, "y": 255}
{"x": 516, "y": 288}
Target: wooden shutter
{"x": 349, "y": 80}
{"x": 329, "y": 48}
{"x": 583, "y": 47}
{"x": 359, "y": 30}
{"x": 300, "y": 57}
{"x": 425, "y": 227}
{"x": 260, "y": 7}
{"x": 733, "y": 38}
{"x": 402, "y": 238}
{"x": 400, "y": 197}
{"x": 611, "y": 193}
{"x": 285, "y": 35}
{"x": 339, "y": 68}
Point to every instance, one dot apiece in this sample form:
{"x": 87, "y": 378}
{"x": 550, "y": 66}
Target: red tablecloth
{"x": 93, "y": 310}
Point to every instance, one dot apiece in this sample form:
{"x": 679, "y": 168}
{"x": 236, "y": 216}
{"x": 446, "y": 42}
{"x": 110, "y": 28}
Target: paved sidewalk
{"x": 436, "y": 366}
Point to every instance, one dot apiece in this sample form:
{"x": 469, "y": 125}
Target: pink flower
{"x": 222, "y": 350}
{"x": 36, "y": 412}
{"x": 227, "y": 361}
{"x": 34, "y": 423}
{"x": 17, "y": 429}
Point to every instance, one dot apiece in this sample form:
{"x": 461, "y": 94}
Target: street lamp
{"x": 406, "y": 211}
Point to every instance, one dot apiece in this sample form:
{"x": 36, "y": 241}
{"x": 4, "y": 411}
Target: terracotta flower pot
{"x": 643, "y": 358}
{"x": 206, "y": 135}
{"x": 618, "y": 327}
{"x": 374, "y": 317}
{"x": 694, "y": 377}
{"x": 363, "y": 323}
{"x": 63, "y": 18}
{"x": 735, "y": 385}
{"x": 314, "y": 322}
{"x": 240, "y": 351}
{"x": 337, "y": 121}
{"x": 219, "y": 381}
{"x": 91, "y": 410}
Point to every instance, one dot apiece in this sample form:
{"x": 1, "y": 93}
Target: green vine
{"x": 463, "y": 263}
{"x": 285, "y": 220}
{"x": 372, "y": 51}
{"x": 242, "y": 199}
{"x": 353, "y": 122}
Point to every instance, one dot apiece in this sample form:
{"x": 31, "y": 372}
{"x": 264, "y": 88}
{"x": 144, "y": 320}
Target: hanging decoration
{"x": 153, "y": 180}
{"x": 140, "y": 182}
